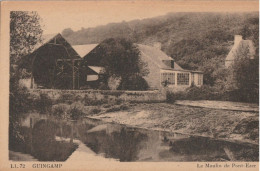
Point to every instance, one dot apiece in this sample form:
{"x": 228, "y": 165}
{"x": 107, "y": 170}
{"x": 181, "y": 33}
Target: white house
{"x": 239, "y": 46}
{"x": 165, "y": 72}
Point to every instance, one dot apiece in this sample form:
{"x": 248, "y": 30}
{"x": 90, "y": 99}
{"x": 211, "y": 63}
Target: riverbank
{"x": 223, "y": 124}
{"x": 224, "y": 105}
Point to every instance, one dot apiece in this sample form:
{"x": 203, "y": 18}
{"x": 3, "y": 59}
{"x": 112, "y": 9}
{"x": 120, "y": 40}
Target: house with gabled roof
{"x": 163, "y": 70}
{"x": 244, "y": 47}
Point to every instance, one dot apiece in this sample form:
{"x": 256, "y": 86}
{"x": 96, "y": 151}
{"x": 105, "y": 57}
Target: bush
{"x": 170, "y": 97}
{"x": 19, "y": 104}
{"x": 66, "y": 98}
{"x": 205, "y": 92}
{"x": 76, "y": 111}
{"x": 43, "y": 103}
{"x": 60, "y": 111}
{"x": 195, "y": 93}
{"x": 93, "y": 101}
{"x": 134, "y": 83}
{"x": 199, "y": 93}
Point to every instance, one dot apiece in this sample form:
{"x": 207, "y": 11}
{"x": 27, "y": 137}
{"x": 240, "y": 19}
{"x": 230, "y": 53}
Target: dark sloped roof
{"x": 149, "y": 54}
{"x": 155, "y": 55}
{"x": 51, "y": 44}
{"x": 58, "y": 41}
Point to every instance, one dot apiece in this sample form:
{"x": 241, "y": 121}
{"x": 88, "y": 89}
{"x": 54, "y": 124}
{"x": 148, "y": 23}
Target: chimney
{"x": 157, "y": 45}
{"x": 172, "y": 63}
{"x": 237, "y": 40}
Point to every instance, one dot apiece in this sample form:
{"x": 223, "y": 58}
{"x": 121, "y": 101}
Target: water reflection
{"x": 124, "y": 143}
{"x": 40, "y": 140}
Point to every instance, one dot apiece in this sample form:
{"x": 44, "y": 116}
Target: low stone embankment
{"x": 131, "y": 96}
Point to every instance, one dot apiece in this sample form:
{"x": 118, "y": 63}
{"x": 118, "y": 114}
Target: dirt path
{"x": 224, "y": 124}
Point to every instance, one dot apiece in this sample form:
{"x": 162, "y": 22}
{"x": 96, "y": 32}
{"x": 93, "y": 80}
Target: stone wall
{"x": 131, "y": 96}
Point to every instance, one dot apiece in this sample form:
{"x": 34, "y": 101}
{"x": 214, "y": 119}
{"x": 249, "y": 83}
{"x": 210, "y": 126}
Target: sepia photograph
{"x": 132, "y": 82}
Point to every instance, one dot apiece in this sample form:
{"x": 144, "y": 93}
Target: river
{"x": 49, "y": 139}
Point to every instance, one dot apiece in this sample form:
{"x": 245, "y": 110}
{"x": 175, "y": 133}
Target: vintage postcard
{"x": 129, "y": 85}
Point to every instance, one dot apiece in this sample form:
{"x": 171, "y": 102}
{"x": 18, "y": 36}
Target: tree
{"x": 121, "y": 59}
{"x": 67, "y": 32}
{"x": 246, "y": 76}
{"x": 25, "y": 33}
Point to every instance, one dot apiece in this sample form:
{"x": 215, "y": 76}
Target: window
{"x": 200, "y": 79}
{"x": 183, "y": 78}
{"x": 167, "y": 78}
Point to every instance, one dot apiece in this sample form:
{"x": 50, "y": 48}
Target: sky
{"x": 57, "y": 16}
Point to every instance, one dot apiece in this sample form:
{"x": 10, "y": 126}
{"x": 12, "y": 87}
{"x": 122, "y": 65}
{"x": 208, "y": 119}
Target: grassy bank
{"x": 233, "y": 125}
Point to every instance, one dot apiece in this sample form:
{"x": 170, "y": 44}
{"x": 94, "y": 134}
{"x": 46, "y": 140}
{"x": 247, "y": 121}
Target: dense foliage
{"x": 120, "y": 59}
{"x": 134, "y": 83}
{"x": 25, "y": 33}
{"x": 246, "y": 77}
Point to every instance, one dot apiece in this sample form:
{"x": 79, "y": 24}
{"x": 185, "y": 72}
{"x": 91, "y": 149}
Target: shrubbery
{"x": 76, "y": 111}
{"x": 66, "y": 98}
{"x": 134, "y": 83}
{"x": 87, "y": 101}
{"x": 200, "y": 93}
{"x": 43, "y": 104}
{"x": 73, "y": 111}
{"x": 59, "y": 111}
{"x": 204, "y": 92}
{"x": 19, "y": 104}
{"x": 170, "y": 97}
